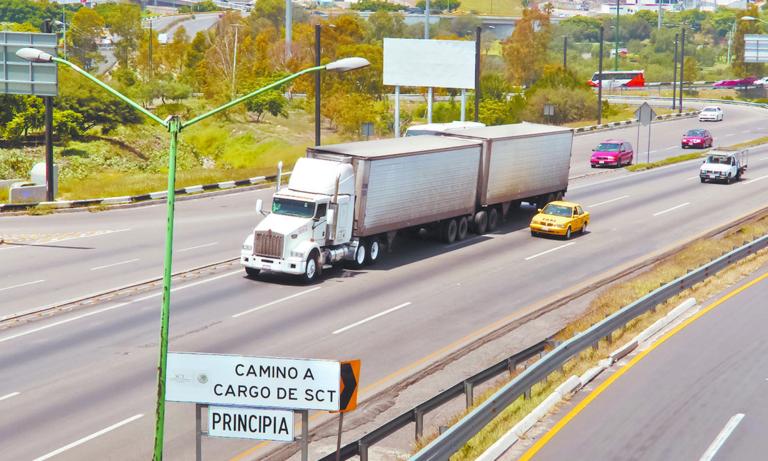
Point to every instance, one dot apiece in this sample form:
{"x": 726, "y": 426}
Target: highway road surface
{"x": 701, "y": 394}
{"x": 56, "y": 255}
{"x": 81, "y": 385}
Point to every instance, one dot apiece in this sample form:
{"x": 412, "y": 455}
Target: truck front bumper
{"x": 289, "y": 266}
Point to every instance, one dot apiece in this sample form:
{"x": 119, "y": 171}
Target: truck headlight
{"x": 297, "y": 254}
{"x": 247, "y": 247}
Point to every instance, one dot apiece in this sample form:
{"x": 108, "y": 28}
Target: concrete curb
{"x": 575, "y": 383}
{"x": 109, "y": 201}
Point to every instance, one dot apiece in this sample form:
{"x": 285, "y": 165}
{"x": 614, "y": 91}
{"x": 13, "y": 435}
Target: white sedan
{"x": 711, "y": 114}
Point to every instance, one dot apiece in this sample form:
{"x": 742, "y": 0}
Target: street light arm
{"x": 237, "y": 101}
{"x": 111, "y": 90}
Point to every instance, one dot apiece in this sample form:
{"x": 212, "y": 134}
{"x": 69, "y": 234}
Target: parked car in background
{"x": 560, "y": 218}
{"x": 732, "y": 83}
{"x": 762, "y": 82}
{"x": 697, "y": 137}
{"x": 711, "y": 114}
{"x": 612, "y": 152}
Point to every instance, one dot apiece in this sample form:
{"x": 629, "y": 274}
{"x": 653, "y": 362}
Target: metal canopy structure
{"x": 18, "y": 76}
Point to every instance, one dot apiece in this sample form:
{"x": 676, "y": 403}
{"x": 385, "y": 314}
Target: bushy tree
{"x": 83, "y": 35}
{"x": 377, "y": 5}
{"x": 272, "y": 102}
{"x": 525, "y": 52}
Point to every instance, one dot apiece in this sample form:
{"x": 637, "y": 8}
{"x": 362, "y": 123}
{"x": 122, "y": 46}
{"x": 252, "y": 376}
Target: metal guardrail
{"x": 416, "y": 414}
{"x": 459, "y": 434}
{"x": 713, "y": 101}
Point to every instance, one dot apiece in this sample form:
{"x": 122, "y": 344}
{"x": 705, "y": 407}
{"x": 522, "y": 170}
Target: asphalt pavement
{"x": 699, "y": 395}
{"x": 86, "y": 378}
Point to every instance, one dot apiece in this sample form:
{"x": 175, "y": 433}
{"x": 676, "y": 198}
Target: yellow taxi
{"x": 560, "y": 218}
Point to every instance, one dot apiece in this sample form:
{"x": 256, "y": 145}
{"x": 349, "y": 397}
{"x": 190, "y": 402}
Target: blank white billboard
{"x": 429, "y": 63}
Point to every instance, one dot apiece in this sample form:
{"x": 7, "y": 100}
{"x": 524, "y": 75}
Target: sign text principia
{"x": 253, "y": 381}
{"x": 250, "y": 423}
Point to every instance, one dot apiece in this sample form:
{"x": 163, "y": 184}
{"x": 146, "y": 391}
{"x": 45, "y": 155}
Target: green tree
{"x": 691, "y": 67}
{"x": 123, "y": 20}
{"x": 83, "y": 35}
{"x": 272, "y": 10}
{"x": 386, "y": 24}
{"x": 439, "y": 5}
{"x": 377, "y": 5}
{"x": 68, "y": 124}
{"x": 272, "y": 102}
{"x": 525, "y": 52}
{"x": 30, "y": 116}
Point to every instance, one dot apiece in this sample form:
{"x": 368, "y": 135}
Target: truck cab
{"x": 308, "y": 219}
{"x": 723, "y": 165}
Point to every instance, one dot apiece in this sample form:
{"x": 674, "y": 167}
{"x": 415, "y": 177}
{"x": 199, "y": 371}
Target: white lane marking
{"x": 729, "y": 135}
{"x": 116, "y": 306}
{"x": 549, "y": 251}
{"x": 21, "y": 285}
{"x": 750, "y": 181}
{"x": 8, "y": 396}
{"x": 48, "y": 242}
{"x": 197, "y": 247}
{"x": 608, "y": 201}
{"x": 365, "y": 320}
{"x": 272, "y": 303}
{"x": 671, "y": 209}
{"x": 98, "y": 268}
{"x": 88, "y": 438}
{"x": 691, "y": 178}
{"x": 722, "y": 437}
{"x": 174, "y": 290}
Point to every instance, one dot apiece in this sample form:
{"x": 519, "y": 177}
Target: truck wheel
{"x": 252, "y": 272}
{"x": 481, "y": 222}
{"x": 450, "y": 230}
{"x": 312, "y": 269}
{"x": 361, "y": 255}
{"x": 493, "y": 219}
{"x": 703, "y": 180}
{"x": 559, "y": 196}
{"x": 463, "y": 228}
{"x": 374, "y": 251}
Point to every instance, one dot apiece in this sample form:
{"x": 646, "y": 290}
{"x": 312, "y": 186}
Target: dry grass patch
{"x": 610, "y": 300}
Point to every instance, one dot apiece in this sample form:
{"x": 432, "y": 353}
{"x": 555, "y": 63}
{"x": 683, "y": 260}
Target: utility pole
{"x": 64, "y": 25}
{"x": 234, "y": 62}
{"x": 48, "y": 101}
{"x": 565, "y": 53}
{"x": 616, "y": 51}
{"x": 288, "y": 27}
{"x": 682, "y": 69}
{"x": 426, "y": 37}
{"x": 318, "y": 51}
{"x": 478, "y": 35}
{"x": 600, "y": 81}
{"x": 150, "y": 48}
{"x": 674, "y": 76}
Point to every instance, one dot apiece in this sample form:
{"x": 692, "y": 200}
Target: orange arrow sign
{"x": 350, "y": 378}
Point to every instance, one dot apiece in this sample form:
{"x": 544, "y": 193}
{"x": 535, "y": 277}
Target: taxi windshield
{"x": 557, "y": 210}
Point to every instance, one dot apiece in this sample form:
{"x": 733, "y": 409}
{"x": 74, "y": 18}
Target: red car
{"x": 697, "y": 138}
{"x": 612, "y": 152}
{"x": 746, "y": 81}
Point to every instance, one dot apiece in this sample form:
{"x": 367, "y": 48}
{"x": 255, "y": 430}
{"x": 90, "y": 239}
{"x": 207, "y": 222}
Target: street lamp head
{"x": 748, "y": 18}
{"x": 34, "y": 55}
{"x": 347, "y": 64}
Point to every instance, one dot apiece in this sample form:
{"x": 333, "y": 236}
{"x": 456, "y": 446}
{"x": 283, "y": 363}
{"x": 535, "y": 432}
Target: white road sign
{"x": 253, "y": 381}
{"x": 250, "y": 423}
{"x": 435, "y": 63}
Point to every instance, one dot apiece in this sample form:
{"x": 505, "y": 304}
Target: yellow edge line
{"x": 599, "y": 390}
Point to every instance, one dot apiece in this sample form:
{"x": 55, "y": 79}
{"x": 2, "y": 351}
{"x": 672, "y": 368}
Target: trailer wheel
{"x": 481, "y": 222}
{"x": 450, "y": 229}
{"x": 252, "y": 272}
{"x": 374, "y": 251}
{"x": 313, "y": 269}
{"x": 463, "y": 228}
{"x": 493, "y": 219}
{"x": 559, "y": 196}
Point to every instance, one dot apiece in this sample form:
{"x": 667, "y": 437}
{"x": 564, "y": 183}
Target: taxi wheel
{"x": 568, "y": 233}
{"x": 584, "y": 228}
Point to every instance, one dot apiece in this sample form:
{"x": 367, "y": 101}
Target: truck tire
{"x": 252, "y": 272}
{"x": 450, "y": 230}
{"x": 702, "y": 180}
{"x": 374, "y": 251}
{"x": 312, "y": 269}
{"x": 361, "y": 254}
{"x": 480, "y": 225}
{"x": 493, "y": 219}
{"x": 559, "y": 196}
{"x": 463, "y": 228}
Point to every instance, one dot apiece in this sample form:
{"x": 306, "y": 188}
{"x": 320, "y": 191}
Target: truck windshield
{"x": 290, "y": 207}
{"x": 722, "y": 159}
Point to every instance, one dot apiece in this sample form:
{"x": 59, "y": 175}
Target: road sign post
{"x": 645, "y": 115}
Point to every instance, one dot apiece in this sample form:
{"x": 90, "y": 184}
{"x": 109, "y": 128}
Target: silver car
{"x": 711, "y": 114}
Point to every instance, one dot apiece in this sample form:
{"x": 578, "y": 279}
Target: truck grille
{"x": 268, "y": 243}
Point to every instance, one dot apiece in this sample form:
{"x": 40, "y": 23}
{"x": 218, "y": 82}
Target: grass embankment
{"x": 492, "y": 8}
{"x": 623, "y": 112}
{"x": 610, "y": 300}
{"x": 694, "y": 155}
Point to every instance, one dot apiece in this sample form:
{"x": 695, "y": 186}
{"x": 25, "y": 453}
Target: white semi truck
{"x": 344, "y": 202}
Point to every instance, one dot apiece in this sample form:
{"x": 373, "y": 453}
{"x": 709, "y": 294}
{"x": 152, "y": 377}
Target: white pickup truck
{"x": 724, "y": 165}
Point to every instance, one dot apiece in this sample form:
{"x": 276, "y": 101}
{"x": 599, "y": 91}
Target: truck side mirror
{"x": 330, "y": 215}
{"x": 259, "y": 206}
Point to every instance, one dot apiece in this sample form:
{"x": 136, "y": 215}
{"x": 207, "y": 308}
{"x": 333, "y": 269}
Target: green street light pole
{"x": 174, "y": 126}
